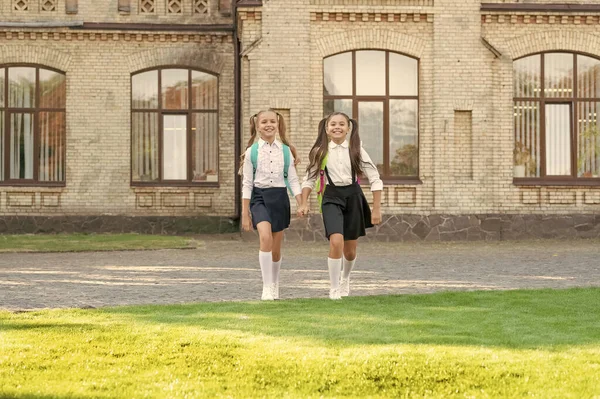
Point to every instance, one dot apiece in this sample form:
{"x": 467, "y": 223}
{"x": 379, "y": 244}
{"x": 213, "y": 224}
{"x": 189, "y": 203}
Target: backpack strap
{"x": 320, "y": 187}
{"x": 286, "y": 166}
{"x": 254, "y": 159}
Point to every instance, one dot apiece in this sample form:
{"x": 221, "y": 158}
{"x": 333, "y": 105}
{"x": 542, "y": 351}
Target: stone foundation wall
{"x": 461, "y": 228}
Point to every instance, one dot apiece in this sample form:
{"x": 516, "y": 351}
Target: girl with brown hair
{"x": 267, "y": 168}
{"x": 335, "y": 163}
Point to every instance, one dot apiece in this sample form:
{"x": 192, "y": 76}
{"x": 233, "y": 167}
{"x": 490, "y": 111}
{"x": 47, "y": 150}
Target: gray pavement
{"x": 226, "y": 269}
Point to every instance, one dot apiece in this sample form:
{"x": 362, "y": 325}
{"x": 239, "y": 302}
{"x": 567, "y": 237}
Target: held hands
{"x": 376, "y": 216}
{"x": 246, "y": 222}
{"x": 302, "y": 211}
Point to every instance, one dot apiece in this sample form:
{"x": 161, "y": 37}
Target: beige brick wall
{"x": 98, "y": 66}
{"x": 465, "y": 122}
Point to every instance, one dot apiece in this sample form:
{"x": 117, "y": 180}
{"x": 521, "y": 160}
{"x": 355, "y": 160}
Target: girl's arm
{"x": 295, "y": 183}
{"x": 307, "y": 186}
{"x": 370, "y": 170}
{"x": 376, "y": 214}
{"x": 246, "y": 222}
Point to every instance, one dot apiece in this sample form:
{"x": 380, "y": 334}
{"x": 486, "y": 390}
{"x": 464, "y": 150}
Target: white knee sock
{"x": 335, "y": 269}
{"x": 348, "y": 266}
{"x": 266, "y": 266}
{"x": 276, "y": 268}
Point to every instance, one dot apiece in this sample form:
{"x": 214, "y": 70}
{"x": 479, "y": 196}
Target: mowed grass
{"x": 510, "y": 344}
{"x": 91, "y": 242}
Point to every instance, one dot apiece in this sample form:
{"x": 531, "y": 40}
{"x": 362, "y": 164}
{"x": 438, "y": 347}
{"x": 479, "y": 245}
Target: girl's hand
{"x": 303, "y": 211}
{"x": 246, "y": 223}
{"x": 376, "y": 216}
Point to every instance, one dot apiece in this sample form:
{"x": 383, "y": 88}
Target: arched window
{"x": 174, "y": 127}
{"x": 32, "y": 125}
{"x": 380, "y": 89}
{"x": 556, "y": 106}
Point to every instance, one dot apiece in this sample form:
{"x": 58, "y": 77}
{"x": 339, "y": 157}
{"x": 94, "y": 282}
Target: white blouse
{"x": 339, "y": 168}
{"x": 269, "y": 169}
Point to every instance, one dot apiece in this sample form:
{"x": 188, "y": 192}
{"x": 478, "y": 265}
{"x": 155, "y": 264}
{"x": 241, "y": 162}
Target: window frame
{"x": 573, "y": 101}
{"x": 385, "y": 99}
{"x": 35, "y": 111}
{"x": 189, "y": 142}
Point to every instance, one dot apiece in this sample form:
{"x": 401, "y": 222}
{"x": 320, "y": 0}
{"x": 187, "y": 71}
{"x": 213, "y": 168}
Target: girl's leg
{"x": 265, "y": 258}
{"x": 277, "y": 241}
{"x": 334, "y": 263}
{"x": 349, "y": 259}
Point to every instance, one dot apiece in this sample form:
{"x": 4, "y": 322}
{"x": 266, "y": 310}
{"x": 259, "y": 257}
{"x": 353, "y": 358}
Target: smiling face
{"x": 337, "y": 128}
{"x": 266, "y": 125}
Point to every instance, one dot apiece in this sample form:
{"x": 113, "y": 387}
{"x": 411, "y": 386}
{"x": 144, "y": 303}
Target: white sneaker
{"x": 345, "y": 286}
{"x": 334, "y": 294}
{"x": 275, "y": 291}
{"x": 267, "y": 293}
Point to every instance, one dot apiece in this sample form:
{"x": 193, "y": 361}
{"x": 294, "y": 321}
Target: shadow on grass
{"x": 510, "y": 319}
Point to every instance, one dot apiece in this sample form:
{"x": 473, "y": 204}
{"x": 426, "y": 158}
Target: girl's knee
{"x": 266, "y": 242}
{"x": 350, "y": 255}
{"x": 336, "y": 241}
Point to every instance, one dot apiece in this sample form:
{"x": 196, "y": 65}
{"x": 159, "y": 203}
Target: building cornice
{"x": 540, "y": 19}
{"x": 81, "y": 35}
{"x": 371, "y": 17}
{"x": 541, "y": 7}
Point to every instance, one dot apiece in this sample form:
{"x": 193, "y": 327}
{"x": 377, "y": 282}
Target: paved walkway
{"x": 227, "y": 270}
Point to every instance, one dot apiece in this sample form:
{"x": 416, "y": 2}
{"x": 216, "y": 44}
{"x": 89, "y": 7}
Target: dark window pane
{"x": 588, "y": 77}
{"x": 404, "y": 150}
{"x": 330, "y": 106}
{"x": 53, "y": 89}
{"x": 175, "y": 88}
{"x": 370, "y": 121}
{"x": 144, "y": 90}
{"x": 174, "y": 147}
{"x": 21, "y": 146}
{"x": 370, "y": 73}
{"x": 204, "y": 91}
{"x": 404, "y": 75}
{"x": 2, "y": 77}
{"x": 588, "y": 140}
{"x": 527, "y": 74}
{"x": 205, "y": 147}
{"x": 337, "y": 75}
{"x": 526, "y": 154}
{"x": 144, "y": 142}
{"x": 558, "y": 140}
{"x": 52, "y": 146}
{"x": 558, "y": 75}
{"x": 21, "y": 87}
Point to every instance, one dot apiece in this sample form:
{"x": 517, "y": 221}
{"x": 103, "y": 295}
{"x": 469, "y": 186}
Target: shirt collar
{"x": 333, "y": 145}
{"x": 262, "y": 142}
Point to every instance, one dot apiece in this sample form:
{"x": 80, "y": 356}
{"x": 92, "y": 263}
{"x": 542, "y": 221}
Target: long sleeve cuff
{"x": 377, "y": 186}
{"x": 246, "y": 193}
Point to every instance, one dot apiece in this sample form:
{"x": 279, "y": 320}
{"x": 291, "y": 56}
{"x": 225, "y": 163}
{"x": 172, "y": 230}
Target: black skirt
{"x": 345, "y": 211}
{"x": 270, "y": 205}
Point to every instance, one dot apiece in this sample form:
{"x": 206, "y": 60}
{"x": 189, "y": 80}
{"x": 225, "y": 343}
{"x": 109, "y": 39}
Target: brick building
{"x": 130, "y": 114}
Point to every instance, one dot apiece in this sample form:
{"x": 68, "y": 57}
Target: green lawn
{"x": 540, "y": 343}
{"x": 90, "y": 242}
